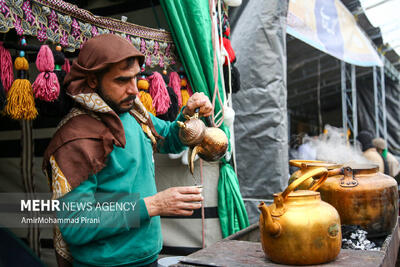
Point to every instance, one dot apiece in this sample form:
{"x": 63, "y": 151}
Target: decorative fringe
{"x": 46, "y": 86}
{"x": 174, "y": 107}
{"x": 7, "y": 75}
{"x": 184, "y": 91}
{"x": 144, "y": 95}
{"x": 20, "y": 101}
{"x": 3, "y": 97}
{"x": 228, "y": 47}
{"x": 175, "y": 83}
{"x": 66, "y": 67}
{"x": 21, "y": 63}
{"x": 61, "y": 106}
{"x": 159, "y": 93}
{"x": 235, "y": 79}
{"x": 185, "y": 96}
{"x": 147, "y": 102}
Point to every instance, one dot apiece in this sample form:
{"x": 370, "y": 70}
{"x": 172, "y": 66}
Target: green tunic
{"x": 129, "y": 170}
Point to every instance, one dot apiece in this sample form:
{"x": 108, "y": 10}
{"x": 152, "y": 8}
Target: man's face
{"x": 118, "y": 86}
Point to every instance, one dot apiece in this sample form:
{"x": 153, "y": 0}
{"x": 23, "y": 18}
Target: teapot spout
{"x": 191, "y": 157}
{"x": 273, "y": 228}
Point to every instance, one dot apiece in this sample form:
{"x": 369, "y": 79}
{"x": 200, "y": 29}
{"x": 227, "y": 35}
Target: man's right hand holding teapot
{"x": 198, "y": 100}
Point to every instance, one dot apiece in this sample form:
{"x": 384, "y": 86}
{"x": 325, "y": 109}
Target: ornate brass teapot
{"x": 299, "y": 228}
{"x": 210, "y": 143}
{"x": 362, "y": 195}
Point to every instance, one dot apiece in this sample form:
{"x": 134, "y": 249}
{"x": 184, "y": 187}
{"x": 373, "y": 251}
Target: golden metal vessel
{"x": 362, "y": 195}
{"x": 210, "y": 143}
{"x": 299, "y": 228}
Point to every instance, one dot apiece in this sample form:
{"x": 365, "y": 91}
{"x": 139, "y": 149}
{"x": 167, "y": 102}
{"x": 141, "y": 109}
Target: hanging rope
{"x": 215, "y": 69}
{"x": 203, "y": 217}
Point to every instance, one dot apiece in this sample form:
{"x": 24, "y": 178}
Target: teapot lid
{"x": 362, "y": 166}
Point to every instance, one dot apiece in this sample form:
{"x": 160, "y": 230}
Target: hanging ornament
{"x": 159, "y": 93}
{"x": 6, "y": 68}
{"x": 60, "y": 106}
{"x": 174, "y": 107}
{"x": 66, "y": 66}
{"x": 235, "y": 79}
{"x": 185, "y": 90}
{"x": 175, "y": 83}
{"x": 20, "y": 102}
{"x": 46, "y": 86}
{"x": 231, "y": 57}
{"x": 144, "y": 95}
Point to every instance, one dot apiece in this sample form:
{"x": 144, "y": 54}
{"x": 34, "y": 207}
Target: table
{"x": 244, "y": 250}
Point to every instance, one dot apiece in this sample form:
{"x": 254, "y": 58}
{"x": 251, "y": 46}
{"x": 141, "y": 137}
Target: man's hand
{"x": 174, "y": 201}
{"x": 198, "y": 100}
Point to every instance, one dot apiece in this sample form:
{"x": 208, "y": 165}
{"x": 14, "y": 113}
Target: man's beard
{"x": 113, "y": 105}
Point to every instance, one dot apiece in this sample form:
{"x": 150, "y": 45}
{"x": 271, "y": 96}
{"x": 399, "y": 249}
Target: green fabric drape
{"x": 190, "y": 25}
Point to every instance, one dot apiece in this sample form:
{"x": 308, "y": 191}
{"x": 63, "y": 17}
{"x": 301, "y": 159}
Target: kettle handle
{"x": 313, "y": 172}
{"x": 299, "y": 163}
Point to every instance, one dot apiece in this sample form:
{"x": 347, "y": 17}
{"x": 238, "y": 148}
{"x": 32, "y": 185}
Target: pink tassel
{"x": 66, "y": 67}
{"x": 46, "y": 86}
{"x": 6, "y": 65}
{"x": 175, "y": 83}
{"x": 159, "y": 93}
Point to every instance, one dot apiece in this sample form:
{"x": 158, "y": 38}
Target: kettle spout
{"x": 191, "y": 157}
{"x": 273, "y": 228}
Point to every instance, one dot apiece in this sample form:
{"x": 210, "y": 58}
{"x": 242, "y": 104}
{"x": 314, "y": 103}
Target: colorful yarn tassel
{"x": 20, "y": 101}
{"x": 173, "y": 109}
{"x": 159, "y": 93}
{"x": 46, "y": 86}
{"x": 175, "y": 83}
{"x": 184, "y": 91}
{"x": 61, "y": 106}
{"x": 6, "y": 68}
{"x": 228, "y": 47}
{"x": 144, "y": 95}
{"x": 66, "y": 66}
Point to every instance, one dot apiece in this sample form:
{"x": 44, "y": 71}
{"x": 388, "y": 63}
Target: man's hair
{"x": 129, "y": 62}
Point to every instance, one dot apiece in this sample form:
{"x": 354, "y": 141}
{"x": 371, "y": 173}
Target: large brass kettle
{"x": 362, "y": 195}
{"x": 210, "y": 143}
{"x": 299, "y": 228}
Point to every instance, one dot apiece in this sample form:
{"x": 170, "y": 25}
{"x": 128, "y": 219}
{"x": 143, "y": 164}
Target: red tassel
{"x": 228, "y": 47}
{"x": 159, "y": 93}
{"x": 6, "y": 65}
{"x": 46, "y": 86}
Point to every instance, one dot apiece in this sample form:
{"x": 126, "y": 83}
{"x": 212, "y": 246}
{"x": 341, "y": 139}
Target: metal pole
{"x": 354, "y": 102}
{"x": 376, "y": 101}
{"x": 383, "y": 88}
{"x": 344, "y": 104}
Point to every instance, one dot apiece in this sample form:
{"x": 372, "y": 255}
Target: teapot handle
{"x": 299, "y": 163}
{"x": 313, "y": 172}
{"x": 208, "y": 119}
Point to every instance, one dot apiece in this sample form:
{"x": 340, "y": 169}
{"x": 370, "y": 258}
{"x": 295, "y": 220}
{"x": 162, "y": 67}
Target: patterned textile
{"x": 60, "y": 187}
{"x": 66, "y": 24}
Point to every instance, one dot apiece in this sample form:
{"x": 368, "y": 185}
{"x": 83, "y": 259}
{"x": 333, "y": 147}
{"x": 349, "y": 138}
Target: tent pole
{"x": 376, "y": 101}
